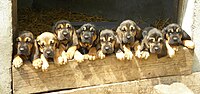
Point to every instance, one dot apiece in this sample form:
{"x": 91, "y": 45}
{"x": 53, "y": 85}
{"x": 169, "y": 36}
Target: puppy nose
{"x": 107, "y": 48}
{"x": 21, "y": 48}
{"x": 48, "y": 52}
{"x": 64, "y": 33}
{"x": 86, "y": 36}
{"x": 175, "y": 38}
{"x": 156, "y": 48}
{"x": 128, "y": 37}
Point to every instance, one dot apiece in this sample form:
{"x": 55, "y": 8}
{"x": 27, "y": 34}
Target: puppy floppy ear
{"x": 185, "y": 36}
{"x": 75, "y": 38}
{"x": 164, "y": 32}
{"x": 144, "y": 33}
{"x": 138, "y": 32}
{"x": 35, "y": 51}
{"x": 163, "y": 50}
{"x": 54, "y": 25}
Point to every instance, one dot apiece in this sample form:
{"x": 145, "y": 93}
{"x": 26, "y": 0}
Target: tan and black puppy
{"x": 129, "y": 34}
{"x": 153, "y": 42}
{"x": 87, "y": 41}
{"x": 67, "y": 38}
{"x": 47, "y": 44}
{"x": 109, "y": 44}
{"x": 26, "y": 49}
{"x": 176, "y": 36}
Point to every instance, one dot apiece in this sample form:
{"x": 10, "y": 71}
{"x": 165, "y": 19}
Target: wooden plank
{"x": 89, "y": 73}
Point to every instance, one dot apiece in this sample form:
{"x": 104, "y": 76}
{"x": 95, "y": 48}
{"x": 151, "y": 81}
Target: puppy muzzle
{"x": 87, "y": 39}
{"x": 175, "y": 40}
{"x": 49, "y": 53}
{"x": 23, "y": 50}
{"x": 108, "y": 50}
{"x": 156, "y": 49}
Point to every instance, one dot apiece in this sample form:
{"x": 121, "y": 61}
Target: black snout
{"x": 128, "y": 36}
{"x": 22, "y": 49}
{"x": 86, "y": 36}
{"x": 157, "y": 48}
{"x": 175, "y": 38}
{"x": 49, "y": 53}
{"x": 65, "y": 33}
{"x": 107, "y": 48}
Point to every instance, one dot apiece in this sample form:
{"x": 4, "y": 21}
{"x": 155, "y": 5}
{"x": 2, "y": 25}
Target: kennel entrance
{"x": 38, "y": 16}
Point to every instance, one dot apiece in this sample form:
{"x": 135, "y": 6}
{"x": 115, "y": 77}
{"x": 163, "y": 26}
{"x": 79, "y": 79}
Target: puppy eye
{"x": 151, "y": 40}
{"x": 92, "y": 29}
{"x": 84, "y": 28}
{"x": 123, "y": 28}
{"x": 42, "y": 45}
{"x": 51, "y": 43}
{"x": 161, "y": 40}
{"x": 132, "y": 28}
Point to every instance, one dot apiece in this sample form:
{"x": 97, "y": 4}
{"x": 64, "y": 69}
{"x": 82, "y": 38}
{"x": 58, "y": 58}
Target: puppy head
{"x": 64, "y": 30}
{"x": 128, "y": 31}
{"x": 47, "y": 43}
{"x": 25, "y": 43}
{"x": 87, "y": 33}
{"x": 174, "y": 34}
{"x": 155, "y": 41}
{"x": 107, "y": 41}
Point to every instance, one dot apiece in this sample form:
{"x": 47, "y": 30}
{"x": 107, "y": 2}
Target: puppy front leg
{"x": 101, "y": 55}
{"x": 137, "y": 49}
{"x": 71, "y": 51}
{"x": 37, "y": 63}
{"x": 92, "y": 53}
{"x": 78, "y": 56}
{"x": 120, "y": 55}
{"x": 170, "y": 50}
{"x": 189, "y": 44}
{"x": 128, "y": 52}
{"x": 59, "y": 58}
{"x": 17, "y": 61}
{"x": 45, "y": 63}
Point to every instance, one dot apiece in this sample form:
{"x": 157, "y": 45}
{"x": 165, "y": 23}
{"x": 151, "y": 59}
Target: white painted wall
{"x": 5, "y": 46}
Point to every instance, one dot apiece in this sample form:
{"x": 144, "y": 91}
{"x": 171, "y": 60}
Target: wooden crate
{"x": 91, "y": 73}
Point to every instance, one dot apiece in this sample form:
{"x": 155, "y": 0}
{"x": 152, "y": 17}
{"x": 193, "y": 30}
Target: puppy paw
{"x": 37, "y": 63}
{"x": 145, "y": 54}
{"x": 61, "y": 60}
{"x": 138, "y": 54}
{"x": 45, "y": 66}
{"x": 171, "y": 53}
{"x": 189, "y": 44}
{"x": 91, "y": 57}
{"x": 129, "y": 55}
{"x": 64, "y": 57}
{"x": 101, "y": 55}
{"x": 175, "y": 48}
{"x": 17, "y": 62}
{"x": 78, "y": 57}
{"x": 69, "y": 55}
{"x": 120, "y": 55}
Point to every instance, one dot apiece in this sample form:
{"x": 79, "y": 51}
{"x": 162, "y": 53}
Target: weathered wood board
{"x": 109, "y": 70}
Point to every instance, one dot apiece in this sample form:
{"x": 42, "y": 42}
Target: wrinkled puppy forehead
{"x": 155, "y": 33}
{"x": 62, "y": 22}
{"x": 127, "y": 22}
{"x": 25, "y": 34}
{"x": 107, "y": 32}
{"x": 88, "y": 26}
{"x": 173, "y": 26}
{"x": 46, "y": 36}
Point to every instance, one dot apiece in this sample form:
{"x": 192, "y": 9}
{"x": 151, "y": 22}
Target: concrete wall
{"x": 6, "y": 45}
{"x": 196, "y": 33}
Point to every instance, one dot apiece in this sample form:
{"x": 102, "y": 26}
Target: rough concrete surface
{"x": 196, "y": 34}
{"x": 6, "y": 46}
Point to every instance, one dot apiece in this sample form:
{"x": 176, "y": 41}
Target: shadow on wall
{"x": 147, "y": 10}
